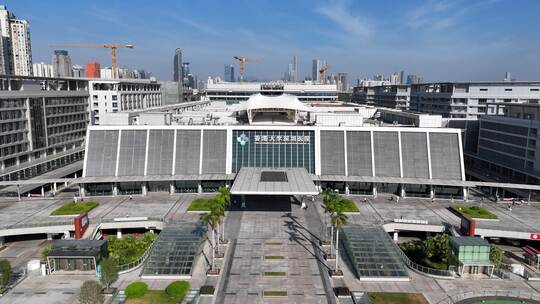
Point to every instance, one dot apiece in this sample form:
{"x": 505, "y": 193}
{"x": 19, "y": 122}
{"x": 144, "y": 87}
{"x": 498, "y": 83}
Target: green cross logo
{"x": 242, "y": 139}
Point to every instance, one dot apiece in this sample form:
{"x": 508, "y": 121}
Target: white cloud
{"x": 340, "y": 13}
{"x": 440, "y": 14}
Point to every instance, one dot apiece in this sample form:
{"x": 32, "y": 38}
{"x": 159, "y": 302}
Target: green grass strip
{"x": 274, "y": 293}
{"x": 275, "y": 274}
{"x": 473, "y": 211}
{"x": 75, "y": 208}
{"x": 274, "y": 257}
{"x": 273, "y": 243}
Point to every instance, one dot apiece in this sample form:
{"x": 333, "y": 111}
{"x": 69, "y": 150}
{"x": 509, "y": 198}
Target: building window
{"x": 508, "y": 90}
{"x": 535, "y": 90}
{"x": 95, "y": 97}
{"x": 114, "y": 97}
{"x": 483, "y": 90}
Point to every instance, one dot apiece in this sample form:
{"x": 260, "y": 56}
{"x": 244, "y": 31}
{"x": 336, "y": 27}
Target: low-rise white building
{"x": 306, "y": 92}
{"x": 110, "y": 96}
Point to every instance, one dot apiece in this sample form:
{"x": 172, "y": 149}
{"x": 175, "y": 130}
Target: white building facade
{"x": 111, "y": 96}
{"x": 306, "y": 92}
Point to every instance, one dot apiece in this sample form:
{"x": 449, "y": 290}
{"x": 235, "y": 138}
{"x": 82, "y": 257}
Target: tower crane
{"x": 111, "y": 46}
{"x": 322, "y": 72}
{"x": 242, "y": 61}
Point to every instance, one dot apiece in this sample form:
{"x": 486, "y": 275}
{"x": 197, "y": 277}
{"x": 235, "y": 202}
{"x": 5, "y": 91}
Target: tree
{"x": 339, "y": 219}
{"x": 495, "y": 256}
{"x": 223, "y": 197}
{"x": 5, "y": 272}
{"x": 436, "y": 247}
{"x": 91, "y": 293}
{"x": 332, "y": 203}
{"x": 109, "y": 271}
{"x": 45, "y": 252}
{"x": 211, "y": 219}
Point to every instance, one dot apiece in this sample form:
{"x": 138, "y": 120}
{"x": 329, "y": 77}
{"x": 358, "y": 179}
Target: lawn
{"x": 154, "y": 297}
{"x": 75, "y": 208}
{"x": 396, "y": 298}
{"x": 349, "y": 206}
{"x": 200, "y": 204}
{"x": 473, "y": 211}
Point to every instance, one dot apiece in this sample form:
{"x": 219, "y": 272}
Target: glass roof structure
{"x": 373, "y": 254}
{"x": 175, "y": 250}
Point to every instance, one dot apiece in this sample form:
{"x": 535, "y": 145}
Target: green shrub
{"x": 129, "y": 248}
{"x": 90, "y": 293}
{"x": 5, "y": 272}
{"x": 136, "y": 290}
{"x": 207, "y": 290}
{"x": 177, "y": 289}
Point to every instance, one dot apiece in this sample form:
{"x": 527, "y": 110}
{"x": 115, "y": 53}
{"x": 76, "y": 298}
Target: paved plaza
{"x": 272, "y": 236}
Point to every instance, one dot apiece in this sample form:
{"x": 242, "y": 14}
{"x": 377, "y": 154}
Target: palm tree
{"x": 223, "y": 196}
{"x": 218, "y": 210}
{"x": 339, "y": 219}
{"x": 332, "y": 204}
{"x": 211, "y": 219}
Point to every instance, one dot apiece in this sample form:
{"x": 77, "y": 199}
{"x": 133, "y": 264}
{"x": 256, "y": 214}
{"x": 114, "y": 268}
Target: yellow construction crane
{"x": 242, "y": 60}
{"x": 113, "y": 48}
{"x": 322, "y": 72}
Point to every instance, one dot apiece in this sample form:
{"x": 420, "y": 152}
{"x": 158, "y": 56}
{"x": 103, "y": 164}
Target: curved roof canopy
{"x": 284, "y": 101}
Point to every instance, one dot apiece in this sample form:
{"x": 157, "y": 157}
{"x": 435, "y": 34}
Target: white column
{"x": 374, "y": 191}
{"x": 395, "y": 236}
{"x": 118, "y": 233}
{"x": 115, "y": 190}
{"x": 431, "y": 191}
{"x": 172, "y": 188}
{"x": 54, "y": 188}
{"x": 199, "y": 188}
{"x": 347, "y": 192}
{"x": 144, "y": 189}
{"x": 49, "y": 236}
{"x": 465, "y": 193}
{"x": 42, "y": 191}
{"x": 2, "y": 240}
{"x": 402, "y": 190}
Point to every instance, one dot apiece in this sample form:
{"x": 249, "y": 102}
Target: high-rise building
{"x": 177, "y": 65}
{"x": 414, "y": 79}
{"x": 185, "y": 70}
{"x": 402, "y": 77}
{"x": 5, "y": 42}
{"x": 21, "y": 47}
{"x": 78, "y": 71}
{"x": 228, "y": 74}
{"x": 93, "y": 70}
{"x": 317, "y": 65}
{"x": 61, "y": 63}
{"x": 341, "y": 81}
{"x": 42, "y": 69}
{"x": 15, "y": 48}
{"x": 294, "y": 76}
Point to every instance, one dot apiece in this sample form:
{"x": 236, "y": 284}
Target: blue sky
{"x": 439, "y": 39}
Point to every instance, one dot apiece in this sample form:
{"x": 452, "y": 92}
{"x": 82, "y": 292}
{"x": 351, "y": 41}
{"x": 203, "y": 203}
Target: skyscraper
{"x": 342, "y": 84}
{"x": 61, "y": 63}
{"x": 317, "y": 65}
{"x": 15, "y": 48}
{"x": 5, "y": 42}
{"x": 177, "y": 65}
{"x": 185, "y": 70}
{"x": 402, "y": 77}
{"x": 228, "y": 74}
{"x": 21, "y": 47}
{"x": 294, "y": 74}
